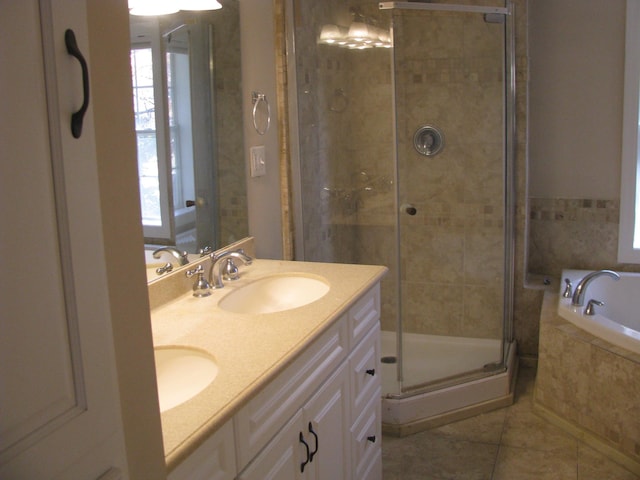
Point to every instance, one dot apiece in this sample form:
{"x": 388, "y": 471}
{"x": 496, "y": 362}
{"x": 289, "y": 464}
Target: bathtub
{"x": 618, "y": 320}
{"x": 588, "y": 377}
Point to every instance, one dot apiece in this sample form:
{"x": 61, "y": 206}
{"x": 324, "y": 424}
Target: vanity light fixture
{"x": 166, "y": 7}
{"x": 200, "y": 5}
{"x": 359, "y": 32}
{"x": 359, "y": 36}
{"x": 152, "y": 7}
{"x": 331, "y": 34}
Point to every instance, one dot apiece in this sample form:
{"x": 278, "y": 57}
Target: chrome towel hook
{"x": 256, "y": 98}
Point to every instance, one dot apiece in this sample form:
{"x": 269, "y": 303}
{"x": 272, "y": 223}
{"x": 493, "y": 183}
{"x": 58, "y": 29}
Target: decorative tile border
{"x": 570, "y": 209}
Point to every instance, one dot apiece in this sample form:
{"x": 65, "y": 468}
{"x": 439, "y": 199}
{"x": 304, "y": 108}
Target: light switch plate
{"x": 258, "y": 161}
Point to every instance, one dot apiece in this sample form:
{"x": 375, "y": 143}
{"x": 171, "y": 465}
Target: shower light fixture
{"x": 165, "y": 7}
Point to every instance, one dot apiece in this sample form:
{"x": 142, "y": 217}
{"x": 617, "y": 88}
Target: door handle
{"x": 72, "y": 49}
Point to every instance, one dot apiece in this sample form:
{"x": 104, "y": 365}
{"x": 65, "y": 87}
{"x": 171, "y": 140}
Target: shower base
{"x": 434, "y": 357}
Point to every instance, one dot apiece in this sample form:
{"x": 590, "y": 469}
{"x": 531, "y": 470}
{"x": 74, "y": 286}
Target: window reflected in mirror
{"x": 186, "y": 77}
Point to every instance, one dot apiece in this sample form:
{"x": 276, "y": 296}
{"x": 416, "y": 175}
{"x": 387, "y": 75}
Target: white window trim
{"x": 629, "y": 203}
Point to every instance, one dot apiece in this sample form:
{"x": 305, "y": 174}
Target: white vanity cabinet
{"x": 329, "y": 403}
{"x": 314, "y": 443}
{"x": 318, "y": 419}
{"x": 215, "y": 459}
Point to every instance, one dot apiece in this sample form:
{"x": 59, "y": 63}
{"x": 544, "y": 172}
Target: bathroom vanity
{"x": 297, "y": 391}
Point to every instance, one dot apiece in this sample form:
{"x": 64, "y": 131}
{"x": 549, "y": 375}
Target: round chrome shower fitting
{"x": 428, "y": 140}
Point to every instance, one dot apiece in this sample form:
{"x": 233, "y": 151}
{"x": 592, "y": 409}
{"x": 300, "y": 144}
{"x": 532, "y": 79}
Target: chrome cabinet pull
{"x": 72, "y": 49}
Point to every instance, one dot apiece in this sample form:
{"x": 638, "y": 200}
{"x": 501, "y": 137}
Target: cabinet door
{"x": 215, "y": 459}
{"x": 60, "y": 412}
{"x": 283, "y": 456}
{"x": 326, "y": 426}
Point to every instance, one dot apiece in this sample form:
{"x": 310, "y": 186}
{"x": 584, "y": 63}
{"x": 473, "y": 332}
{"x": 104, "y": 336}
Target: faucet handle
{"x": 590, "y": 310}
{"x": 216, "y": 274}
{"x": 206, "y": 250}
{"x": 230, "y": 270}
{"x": 167, "y": 267}
{"x": 567, "y": 289}
{"x": 201, "y": 287}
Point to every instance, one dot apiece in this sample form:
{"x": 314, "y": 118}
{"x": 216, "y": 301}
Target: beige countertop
{"x": 250, "y": 350}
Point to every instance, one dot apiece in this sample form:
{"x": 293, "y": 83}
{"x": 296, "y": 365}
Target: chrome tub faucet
{"x": 581, "y": 289}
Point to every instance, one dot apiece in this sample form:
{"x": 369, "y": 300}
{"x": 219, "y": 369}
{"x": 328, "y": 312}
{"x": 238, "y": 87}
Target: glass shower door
{"x": 450, "y": 91}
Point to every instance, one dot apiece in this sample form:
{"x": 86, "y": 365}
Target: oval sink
{"x": 182, "y": 373}
{"x": 275, "y": 294}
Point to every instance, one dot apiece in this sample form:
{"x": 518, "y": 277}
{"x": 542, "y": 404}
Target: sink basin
{"x": 275, "y": 294}
{"x": 182, "y": 373}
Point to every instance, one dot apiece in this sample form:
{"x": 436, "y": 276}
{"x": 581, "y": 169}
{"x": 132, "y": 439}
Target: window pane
{"x": 149, "y": 183}
{"x": 143, "y": 95}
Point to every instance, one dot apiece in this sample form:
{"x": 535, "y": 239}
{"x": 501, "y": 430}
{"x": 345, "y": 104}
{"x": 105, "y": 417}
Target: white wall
{"x": 576, "y": 83}
{"x": 123, "y": 240}
{"x": 259, "y": 74}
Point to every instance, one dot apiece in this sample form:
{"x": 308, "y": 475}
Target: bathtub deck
{"x": 588, "y": 387}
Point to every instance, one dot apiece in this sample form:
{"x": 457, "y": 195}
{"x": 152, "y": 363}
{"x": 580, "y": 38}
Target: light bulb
{"x": 152, "y": 7}
{"x": 331, "y": 34}
{"x": 200, "y": 5}
{"x": 359, "y": 31}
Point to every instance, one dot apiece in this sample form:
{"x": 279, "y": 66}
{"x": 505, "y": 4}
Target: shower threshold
{"x": 450, "y": 399}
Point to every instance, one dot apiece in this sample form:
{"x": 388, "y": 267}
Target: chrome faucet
{"x": 218, "y": 262}
{"x": 581, "y": 289}
{"x": 180, "y": 256}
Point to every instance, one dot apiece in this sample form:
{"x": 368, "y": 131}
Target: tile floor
{"x": 508, "y": 444}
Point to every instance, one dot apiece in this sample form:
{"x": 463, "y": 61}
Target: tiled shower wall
{"x": 345, "y": 117}
{"x": 450, "y": 73}
{"x": 452, "y": 249}
{"x": 573, "y": 233}
{"x": 231, "y": 182}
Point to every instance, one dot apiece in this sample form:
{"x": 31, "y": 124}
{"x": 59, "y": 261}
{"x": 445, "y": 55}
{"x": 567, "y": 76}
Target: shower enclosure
{"x": 404, "y": 119}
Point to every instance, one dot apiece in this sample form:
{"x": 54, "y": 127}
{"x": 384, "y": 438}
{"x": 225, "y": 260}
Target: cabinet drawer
{"x": 363, "y": 315}
{"x": 366, "y": 375}
{"x": 214, "y": 460}
{"x": 261, "y": 418}
{"x": 366, "y": 438}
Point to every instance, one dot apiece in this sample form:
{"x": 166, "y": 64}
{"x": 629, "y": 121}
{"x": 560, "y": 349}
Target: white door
{"x": 59, "y": 407}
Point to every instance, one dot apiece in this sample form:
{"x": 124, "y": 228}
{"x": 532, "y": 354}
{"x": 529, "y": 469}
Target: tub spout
{"x": 581, "y": 289}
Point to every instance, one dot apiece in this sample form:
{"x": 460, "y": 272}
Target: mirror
{"x": 186, "y": 76}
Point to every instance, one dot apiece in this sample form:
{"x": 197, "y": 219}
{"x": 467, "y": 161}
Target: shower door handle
{"x": 409, "y": 209}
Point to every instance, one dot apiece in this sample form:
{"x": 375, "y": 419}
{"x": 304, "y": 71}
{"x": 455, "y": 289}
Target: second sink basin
{"x": 275, "y": 294}
{"x": 182, "y": 373}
